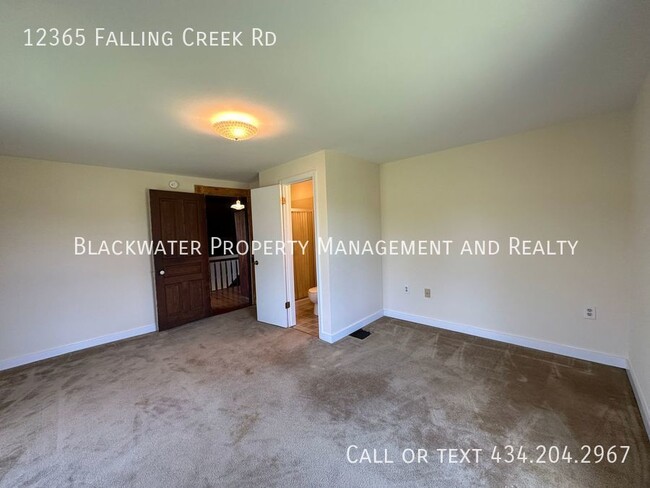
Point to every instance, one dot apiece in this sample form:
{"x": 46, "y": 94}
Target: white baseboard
{"x": 644, "y": 407}
{"x": 75, "y": 346}
{"x": 331, "y": 338}
{"x": 563, "y": 350}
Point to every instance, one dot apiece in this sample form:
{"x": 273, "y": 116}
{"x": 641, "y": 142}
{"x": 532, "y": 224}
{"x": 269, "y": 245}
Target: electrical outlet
{"x": 406, "y": 289}
{"x": 590, "y": 313}
{"x": 427, "y": 293}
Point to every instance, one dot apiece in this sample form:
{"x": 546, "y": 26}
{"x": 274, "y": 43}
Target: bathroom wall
{"x": 302, "y": 227}
{"x": 304, "y": 263}
{"x": 302, "y": 195}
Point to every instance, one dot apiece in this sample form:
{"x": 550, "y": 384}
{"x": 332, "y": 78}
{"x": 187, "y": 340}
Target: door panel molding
{"x": 182, "y": 282}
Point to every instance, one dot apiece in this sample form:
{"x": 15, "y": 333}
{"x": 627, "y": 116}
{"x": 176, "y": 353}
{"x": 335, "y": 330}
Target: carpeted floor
{"x": 231, "y": 402}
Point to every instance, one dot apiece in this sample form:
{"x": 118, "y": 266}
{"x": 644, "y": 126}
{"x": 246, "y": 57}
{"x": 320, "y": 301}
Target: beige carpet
{"x": 231, "y": 402}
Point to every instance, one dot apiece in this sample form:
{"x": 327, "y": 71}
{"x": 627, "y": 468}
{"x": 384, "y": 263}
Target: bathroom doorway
{"x": 284, "y": 297}
{"x": 304, "y": 256}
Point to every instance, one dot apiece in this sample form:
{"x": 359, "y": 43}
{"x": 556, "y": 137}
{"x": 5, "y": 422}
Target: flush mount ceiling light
{"x": 235, "y": 130}
{"x": 238, "y": 205}
{"x": 235, "y": 126}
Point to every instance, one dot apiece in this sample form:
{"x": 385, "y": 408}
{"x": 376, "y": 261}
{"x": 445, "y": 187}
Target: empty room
{"x": 359, "y": 243}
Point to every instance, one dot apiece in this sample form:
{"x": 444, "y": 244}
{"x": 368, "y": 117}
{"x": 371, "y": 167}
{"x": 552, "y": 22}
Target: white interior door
{"x": 270, "y": 269}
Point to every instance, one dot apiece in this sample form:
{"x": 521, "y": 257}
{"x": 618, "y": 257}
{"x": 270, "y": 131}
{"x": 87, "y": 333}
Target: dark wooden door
{"x": 182, "y": 276}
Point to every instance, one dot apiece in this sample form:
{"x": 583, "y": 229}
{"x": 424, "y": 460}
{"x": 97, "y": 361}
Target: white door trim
{"x": 286, "y": 184}
{"x": 287, "y": 233}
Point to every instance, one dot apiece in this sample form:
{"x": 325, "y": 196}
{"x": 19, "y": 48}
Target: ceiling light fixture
{"x": 235, "y": 130}
{"x": 238, "y": 205}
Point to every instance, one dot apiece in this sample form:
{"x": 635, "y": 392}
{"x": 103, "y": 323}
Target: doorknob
{"x": 256, "y": 262}
{"x": 162, "y": 272}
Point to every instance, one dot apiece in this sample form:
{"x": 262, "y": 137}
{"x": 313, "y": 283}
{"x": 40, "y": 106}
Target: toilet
{"x": 313, "y": 297}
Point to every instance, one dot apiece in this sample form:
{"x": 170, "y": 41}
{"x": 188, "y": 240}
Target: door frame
{"x": 218, "y": 191}
{"x": 287, "y": 231}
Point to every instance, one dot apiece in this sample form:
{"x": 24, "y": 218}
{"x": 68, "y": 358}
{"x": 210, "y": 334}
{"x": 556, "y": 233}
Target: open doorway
{"x": 304, "y": 257}
{"x": 230, "y": 283}
{"x": 228, "y": 216}
{"x": 286, "y": 283}
{"x": 191, "y": 284}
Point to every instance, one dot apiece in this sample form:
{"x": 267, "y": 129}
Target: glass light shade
{"x": 235, "y": 130}
{"x": 238, "y": 205}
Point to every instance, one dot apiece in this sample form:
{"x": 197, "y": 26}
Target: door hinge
{"x": 284, "y": 202}
{"x": 287, "y": 305}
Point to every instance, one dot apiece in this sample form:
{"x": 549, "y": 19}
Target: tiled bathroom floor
{"x": 306, "y": 321}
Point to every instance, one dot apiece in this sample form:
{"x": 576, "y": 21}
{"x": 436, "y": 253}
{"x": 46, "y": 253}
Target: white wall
{"x": 354, "y": 214}
{"x": 640, "y": 343}
{"x": 568, "y": 181}
{"x": 347, "y": 203}
{"x": 51, "y": 298}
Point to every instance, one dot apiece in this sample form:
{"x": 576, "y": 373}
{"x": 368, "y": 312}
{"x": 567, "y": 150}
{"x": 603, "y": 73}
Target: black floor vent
{"x": 360, "y": 334}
